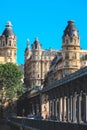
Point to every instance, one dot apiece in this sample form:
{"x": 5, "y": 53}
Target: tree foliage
{"x": 10, "y": 80}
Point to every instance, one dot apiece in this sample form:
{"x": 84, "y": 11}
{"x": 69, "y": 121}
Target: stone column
{"x": 85, "y": 107}
{"x": 33, "y": 111}
{"x": 60, "y": 109}
{"x": 56, "y": 110}
{"x": 37, "y": 107}
{"x": 74, "y": 119}
{"x": 53, "y": 107}
{"x": 71, "y": 101}
{"x": 64, "y": 108}
{"x": 50, "y": 108}
{"x": 67, "y": 109}
{"x": 79, "y": 99}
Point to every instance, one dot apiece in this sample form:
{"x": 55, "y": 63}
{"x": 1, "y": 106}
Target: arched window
{"x": 9, "y": 42}
{"x": 3, "y": 43}
{"x": 74, "y": 41}
{"x": 67, "y": 41}
{"x": 74, "y": 56}
{"x": 66, "y": 63}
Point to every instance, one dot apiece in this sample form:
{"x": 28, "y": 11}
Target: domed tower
{"x": 36, "y": 45}
{"x": 36, "y": 63}
{"x": 8, "y": 45}
{"x": 36, "y": 49}
{"x": 71, "y": 49}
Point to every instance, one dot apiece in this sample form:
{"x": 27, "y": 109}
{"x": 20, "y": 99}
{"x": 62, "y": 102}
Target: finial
{"x": 36, "y": 39}
{"x": 8, "y": 24}
{"x": 28, "y": 43}
{"x": 71, "y": 21}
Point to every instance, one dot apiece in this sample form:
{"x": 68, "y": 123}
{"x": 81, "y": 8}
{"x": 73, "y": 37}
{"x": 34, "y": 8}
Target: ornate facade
{"x": 54, "y": 65}
{"x": 72, "y": 57}
{"x": 63, "y": 94}
{"x": 37, "y": 63}
{"x": 8, "y": 45}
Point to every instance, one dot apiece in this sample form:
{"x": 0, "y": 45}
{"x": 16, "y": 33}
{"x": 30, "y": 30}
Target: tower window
{"x": 74, "y": 56}
{"x": 3, "y": 43}
{"x": 71, "y": 39}
{"x": 67, "y": 41}
{"x": 10, "y": 43}
{"x": 67, "y": 55}
{"x": 8, "y": 53}
{"x": 14, "y": 53}
{"x": 66, "y": 63}
{"x": 74, "y": 41}
{"x": 14, "y": 43}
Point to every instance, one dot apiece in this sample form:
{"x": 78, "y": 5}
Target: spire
{"x": 36, "y": 44}
{"x": 28, "y": 43}
{"x": 36, "y": 40}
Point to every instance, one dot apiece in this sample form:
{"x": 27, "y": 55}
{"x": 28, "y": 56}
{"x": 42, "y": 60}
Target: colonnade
{"x": 69, "y": 108}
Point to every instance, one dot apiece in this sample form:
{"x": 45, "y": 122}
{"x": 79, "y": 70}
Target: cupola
{"x": 36, "y": 45}
{"x": 70, "y": 30}
{"x": 8, "y": 30}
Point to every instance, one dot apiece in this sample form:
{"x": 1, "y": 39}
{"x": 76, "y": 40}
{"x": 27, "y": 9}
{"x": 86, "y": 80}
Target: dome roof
{"x": 71, "y": 30}
{"x": 36, "y": 41}
{"x": 8, "y": 30}
{"x": 36, "y": 44}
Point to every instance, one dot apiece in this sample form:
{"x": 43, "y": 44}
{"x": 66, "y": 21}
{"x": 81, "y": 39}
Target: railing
{"x": 73, "y": 76}
{"x": 45, "y": 125}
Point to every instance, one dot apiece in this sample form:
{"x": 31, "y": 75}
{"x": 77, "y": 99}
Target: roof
{"x": 8, "y": 30}
{"x": 70, "y": 30}
{"x": 36, "y": 44}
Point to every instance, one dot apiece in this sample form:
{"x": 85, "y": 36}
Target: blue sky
{"x": 45, "y": 19}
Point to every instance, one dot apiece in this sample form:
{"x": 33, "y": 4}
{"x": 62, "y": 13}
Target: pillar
{"x": 60, "y": 109}
{"x": 71, "y": 101}
{"x": 79, "y": 99}
{"x": 56, "y": 110}
{"x": 53, "y": 102}
{"x": 67, "y": 109}
{"x": 74, "y": 119}
{"x": 33, "y": 111}
{"x": 49, "y": 108}
{"x": 85, "y": 108}
{"x": 64, "y": 108}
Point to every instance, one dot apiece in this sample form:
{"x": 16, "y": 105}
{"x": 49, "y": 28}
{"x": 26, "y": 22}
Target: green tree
{"x": 10, "y": 84}
{"x": 10, "y": 81}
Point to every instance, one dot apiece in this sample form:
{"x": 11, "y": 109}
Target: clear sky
{"x": 45, "y": 19}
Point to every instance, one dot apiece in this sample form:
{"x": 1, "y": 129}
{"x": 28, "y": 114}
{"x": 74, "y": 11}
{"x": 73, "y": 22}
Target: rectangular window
{"x": 74, "y": 56}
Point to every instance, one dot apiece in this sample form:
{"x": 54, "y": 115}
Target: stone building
{"x": 71, "y": 58}
{"x": 51, "y": 68}
{"x": 37, "y": 63}
{"x": 8, "y": 45}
